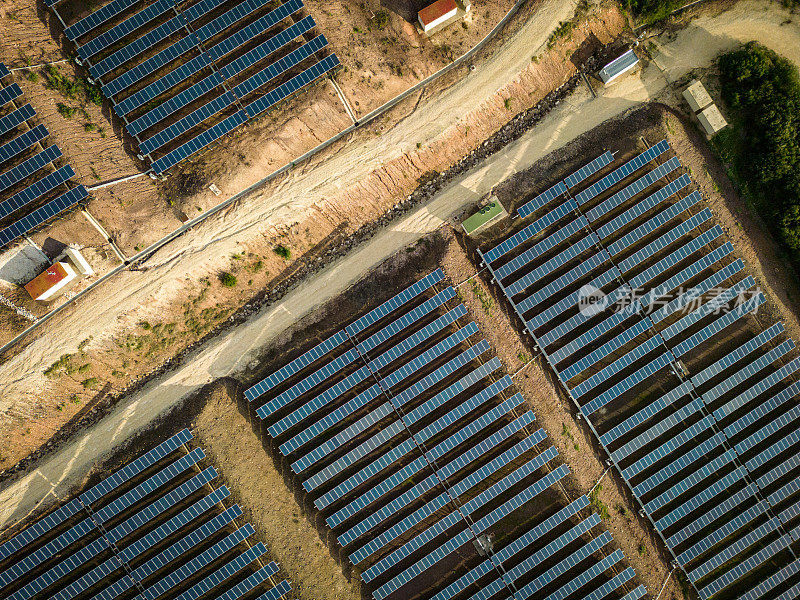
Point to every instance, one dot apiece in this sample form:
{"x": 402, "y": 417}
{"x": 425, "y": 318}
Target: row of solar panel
{"x": 29, "y": 167}
{"x": 72, "y": 559}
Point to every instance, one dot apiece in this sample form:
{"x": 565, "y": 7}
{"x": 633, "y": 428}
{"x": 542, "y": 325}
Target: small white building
{"x": 618, "y": 67}
{"x": 712, "y": 120}
{"x": 442, "y": 13}
{"x": 697, "y": 96}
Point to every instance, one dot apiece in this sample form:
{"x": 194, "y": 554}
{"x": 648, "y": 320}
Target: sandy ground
{"x": 231, "y": 353}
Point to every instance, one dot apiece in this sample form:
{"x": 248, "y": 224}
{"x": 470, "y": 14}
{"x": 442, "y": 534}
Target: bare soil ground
{"x": 179, "y": 306}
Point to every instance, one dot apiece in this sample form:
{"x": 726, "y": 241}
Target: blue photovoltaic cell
{"x": 541, "y": 248}
{"x": 22, "y": 142}
{"x": 280, "y": 66}
{"x": 731, "y": 527}
{"x": 288, "y": 88}
{"x": 540, "y": 556}
{"x": 9, "y": 93}
{"x": 733, "y": 550}
{"x": 629, "y": 382}
{"x": 467, "y": 535}
{"x": 679, "y": 464}
{"x": 15, "y": 118}
{"x": 763, "y": 409}
{"x": 589, "y": 169}
{"x": 773, "y": 581}
{"x": 622, "y": 172}
{"x": 570, "y": 563}
{"x": 520, "y": 544}
{"x": 612, "y": 584}
{"x": 782, "y": 469}
{"x": 530, "y": 231}
{"x": 632, "y": 190}
{"x": 744, "y": 567}
{"x": 96, "y": 18}
{"x": 716, "y": 488}
{"x": 677, "y": 442}
{"x": 42, "y": 214}
{"x": 542, "y": 200}
{"x": 237, "y": 13}
{"x": 441, "y": 449}
{"x": 128, "y": 26}
{"x": 755, "y": 391}
{"x": 637, "y": 594}
{"x": 701, "y": 474}
{"x": 735, "y": 356}
{"x": 645, "y": 414}
{"x": 787, "y": 490}
{"x": 36, "y": 190}
{"x": 28, "y": 168}
{"x": 714, "y": 328}
{"x": 712, "y": 515}
{"x": 4, "y": 72}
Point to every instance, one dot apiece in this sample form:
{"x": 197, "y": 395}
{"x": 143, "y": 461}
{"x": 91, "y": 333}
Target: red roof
{"x": 43, "y": 282}
{"x": 436, "y": 10}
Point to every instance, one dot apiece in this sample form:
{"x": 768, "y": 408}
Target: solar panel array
{"x": 410, "y": 442}
{"x": 182, "y": 74}
{"x": 636, "y": 300}
{"x": 33, "y": 188}
{"x": 155, "y": 528}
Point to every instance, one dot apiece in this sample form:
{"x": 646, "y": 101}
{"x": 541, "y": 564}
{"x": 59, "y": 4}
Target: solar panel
{"x": 735, "y": 356}
{"x": 9, "y": 93}
{"x": 128, "y": 26}
{"x": 36, "y": 190}
{"x": 97, "y": 18}
{"x": 547, "y": 552}
{"x": 589, "y": 169}
{"x": 279, "y": 591}
{"x": 22, "y": 142}
{"x": 612, "y": 584}
{"x": 704, "y": 472}
{"x": 708, "y": 494}
{"x": 632, "y": 190}
{"x": 239, "y": 12}
{"x": 542, "y": 247}
{"x": 201, "y": 561}
{"x": 646, "y": 413}
{"x": 677, "y": 442}
{"x": 42, "y": 214}
{"x": 733, "y": 550}
{"x": 763, "y": 409}
{"x": 783, "y": 493}
{"x": 16, "y": 118}
{"x": 467, "y": 535}
{"x": 442, "y": 500}
{"x": 620, "y": 173}
{"x": 629, "y": 382}
{"x": 396, "y": 453}
{"x": 279, "y": 67}
{"x": 782, "y": 469}
{"x": 199, "y": 142}
{"x": 292, "y": 86}
{"x": 741, "y": 520}
{"x": 568, "y": 564}
{"x": 774, "y": 581}
{"x": 755, "y": 391}
{"x": 519, "y": 544}
{"x": 4, "y": 72}
{"x": 542, "y": 200}
{"x": 27, "y": 168}
{"x": 431, "y": 481}
{"x": 530, "y": 231}
{"x": 606, "y": 349}
{"x": 679, "y": 464}
{"x": 250, "y": 582}
{"x": 648, "y": 227}
{"x": 587, "y": 266}
{"x": 744, "y": 567}
{"x": 637, "y": 594}
{"x": 656, "y": 431}
{"x": 790, "y": 513}
{"x": 712, "y": 515}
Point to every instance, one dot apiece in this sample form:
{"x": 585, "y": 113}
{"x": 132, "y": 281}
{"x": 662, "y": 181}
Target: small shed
{"x": 488, "y": 214}
{"x": 618, "y": 67}
{"x": 54, "y": 280}
{"x": 712, "y": 120}
{"x": 697, "y": 96}
{"x": 437, "y": 14}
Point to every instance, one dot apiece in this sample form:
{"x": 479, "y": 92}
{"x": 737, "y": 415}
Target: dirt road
{"x": 230, "y": 353}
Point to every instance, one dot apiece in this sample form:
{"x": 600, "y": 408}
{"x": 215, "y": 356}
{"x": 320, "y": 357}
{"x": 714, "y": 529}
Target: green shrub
{"x": 65, "y": 111}
{"x": 227, "y": 279}
{"x": 651, "y": 11}
{"x": 762, "y": 89}
{"x": 282, "y": 251}
{"x": 381, "y": 19}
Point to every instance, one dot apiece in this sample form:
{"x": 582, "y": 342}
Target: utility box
{"x": 56, "y": 279}
{"x": 489, "y": 214}
{"x": 712, "y": 120}
{"x": 618, "y": 67}
{"x": 697, "y": 96}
